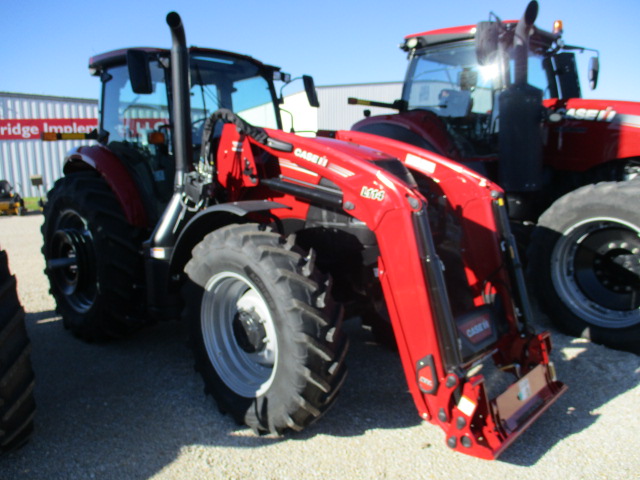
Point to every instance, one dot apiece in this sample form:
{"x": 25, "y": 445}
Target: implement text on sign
{"x": 32, "y": 128}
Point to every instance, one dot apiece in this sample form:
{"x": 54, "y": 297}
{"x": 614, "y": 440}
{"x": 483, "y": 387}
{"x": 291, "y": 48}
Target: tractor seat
{"x": 454, "y": 103}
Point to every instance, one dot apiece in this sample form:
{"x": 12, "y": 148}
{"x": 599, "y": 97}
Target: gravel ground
{"x": 135, "y": 409}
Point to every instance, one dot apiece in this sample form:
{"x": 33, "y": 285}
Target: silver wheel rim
{"x": 239, "y": 334}
{"x": 580, "y": 296}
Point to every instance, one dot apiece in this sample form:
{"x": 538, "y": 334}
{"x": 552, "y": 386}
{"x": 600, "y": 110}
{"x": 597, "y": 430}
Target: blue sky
{"x": 46, "y": 45}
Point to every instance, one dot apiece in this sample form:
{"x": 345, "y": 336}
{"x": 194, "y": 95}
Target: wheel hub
{"x": 607, "y": 266}
{"x": 596, "y": 271}
{"x": 71, "y": 262}
{"x": 249, "y": 330}
{"x": 619, "y": 267}
{"x": 239, "y": 334}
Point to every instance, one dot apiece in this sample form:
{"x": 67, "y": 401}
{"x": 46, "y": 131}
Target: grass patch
{"x": 31, "y": 203}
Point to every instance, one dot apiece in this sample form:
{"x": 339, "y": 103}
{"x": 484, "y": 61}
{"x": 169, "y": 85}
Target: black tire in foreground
{"x": 93, "y": 259}
{"x": 17, "y": 404}
{"x": 584, "y": 263}
{"x": 266, "y": 336}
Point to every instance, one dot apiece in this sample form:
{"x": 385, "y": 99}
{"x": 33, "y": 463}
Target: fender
{"x": 105, "y": 162}
{"x": 211, "y": 219}
{"x": 421, "y": 128}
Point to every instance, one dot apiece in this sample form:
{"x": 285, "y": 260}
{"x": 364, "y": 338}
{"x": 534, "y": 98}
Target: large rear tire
{"x": 93, "y": 257}
{"x": 266, "y": 336}
{"x": 17, "y": 404}
{"x": 584, "y": 261}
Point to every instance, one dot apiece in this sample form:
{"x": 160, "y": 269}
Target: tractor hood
{"x": 329, "y": 153}
{"x": 583, "y": 134}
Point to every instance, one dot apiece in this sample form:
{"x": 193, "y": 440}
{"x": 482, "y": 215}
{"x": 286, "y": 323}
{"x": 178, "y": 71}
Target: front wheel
{"x": 266, "y": 336}
{"x": 584, "y": 260}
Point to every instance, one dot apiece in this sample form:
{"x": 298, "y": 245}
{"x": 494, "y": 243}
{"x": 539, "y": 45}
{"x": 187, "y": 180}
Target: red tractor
{"x": 262, "y": 239}
{"x": 504, "y": 99}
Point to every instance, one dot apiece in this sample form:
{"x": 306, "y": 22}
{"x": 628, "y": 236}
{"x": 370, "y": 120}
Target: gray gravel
{"x": 135, "y": 409}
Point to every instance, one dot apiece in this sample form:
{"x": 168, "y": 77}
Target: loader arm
{"x": 455, "y": 397}
{"x": 345, "y": 173}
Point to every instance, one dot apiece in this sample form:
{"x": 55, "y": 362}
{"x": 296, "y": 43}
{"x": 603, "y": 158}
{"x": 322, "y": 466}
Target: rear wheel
{"x": 17, "y": 405}
{"x": 266, "y": 336}
{"x": 585, "y": 263}
{"x": 93, "y": 258}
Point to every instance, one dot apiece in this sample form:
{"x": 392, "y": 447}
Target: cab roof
{"x": 445, "y": 35}
{"x": 119, "y": 57}
{"x": 540, "y": 40}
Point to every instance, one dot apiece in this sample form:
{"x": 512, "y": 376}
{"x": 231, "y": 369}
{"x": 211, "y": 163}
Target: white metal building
{"x": 334, "y": 112}
{"x": 23, "y": 118}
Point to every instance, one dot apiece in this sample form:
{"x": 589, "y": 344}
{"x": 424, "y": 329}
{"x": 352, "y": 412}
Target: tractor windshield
{"x": 233, "y": 83}
{"x": 218, "y": 81}
{"x": 449, "y": 81}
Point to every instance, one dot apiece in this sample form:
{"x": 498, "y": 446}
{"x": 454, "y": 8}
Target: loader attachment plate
{"x": 523, "y": 398}
{"x": 524, "y": 401}
{"x": 485, "y": 421}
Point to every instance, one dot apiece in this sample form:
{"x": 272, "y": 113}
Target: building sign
{"x": 33, "y": 128}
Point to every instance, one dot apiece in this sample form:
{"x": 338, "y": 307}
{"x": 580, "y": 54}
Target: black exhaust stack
{"x": 520, "y": 125}
{"x": 165, "y": 233}
{"x": 162, "y": 300}
{"x": 521, "y": 42}
{"x": 182, "y": 142}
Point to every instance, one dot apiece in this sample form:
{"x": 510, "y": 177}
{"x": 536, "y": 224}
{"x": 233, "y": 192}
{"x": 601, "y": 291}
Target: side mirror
{"x": 310, "y": 89}
{"x": 594, "y": 68}
{"x": 279, "y": 76}
{"x": 139, "y": 72}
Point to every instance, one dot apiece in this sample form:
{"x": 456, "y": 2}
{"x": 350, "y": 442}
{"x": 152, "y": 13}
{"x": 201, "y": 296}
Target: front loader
{"x": 263, "y": 239}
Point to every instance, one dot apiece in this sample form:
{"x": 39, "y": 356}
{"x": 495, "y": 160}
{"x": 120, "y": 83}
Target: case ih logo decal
{"x": 311, "y": 157}
{"x": 372, "y": 193}
{"x": 605, "y": 115}
{"x": 477, "y": 329}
